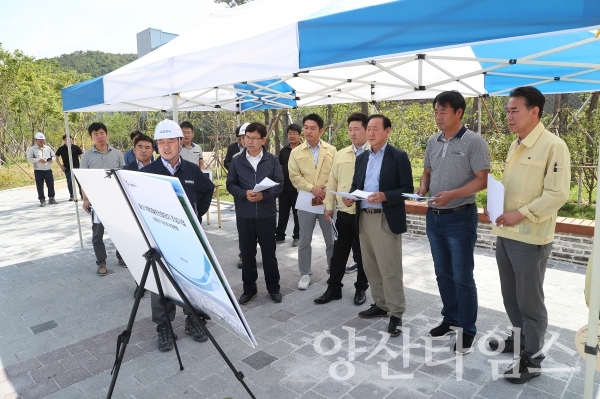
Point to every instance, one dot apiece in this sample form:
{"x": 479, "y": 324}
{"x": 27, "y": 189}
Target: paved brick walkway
{"x": 59, "y": 323}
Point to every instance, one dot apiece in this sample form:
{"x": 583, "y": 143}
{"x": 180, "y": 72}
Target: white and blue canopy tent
{"x": 285, "y": 53}
{"x": 337, "y": 51}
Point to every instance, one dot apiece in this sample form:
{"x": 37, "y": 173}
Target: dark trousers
{"x": 347, "y": 240}
{"x": 70, "y": 183}
{"x": 287, "y": 201}
{"x": 159, "y": 316}
{"x": 98, "y": 243}
{"x": 263, "y": 230}
{"x": 42, "y": 176}
{"x": 452, "y": 238}
{"x": 522, "y": 268}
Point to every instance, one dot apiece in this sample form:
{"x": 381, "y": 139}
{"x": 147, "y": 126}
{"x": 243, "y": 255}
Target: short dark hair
{"x": 64, "y": 136}
{"x": 134, "y": 133}
{"x": 142, "y": 137}
{"x": 453, "y": 99}
{"x": 94, "y": 127}
{"x": 386, "y": 121}
{"x": 359, "y": 117}
{"x": 186, "y": 124}
{"x": 532, "y": 96}
{"x": 295, "y": 127}
{"x": 257, "y": 127}
{"x": 314, "y": 118}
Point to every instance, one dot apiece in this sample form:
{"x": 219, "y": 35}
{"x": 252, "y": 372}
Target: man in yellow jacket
{"x": 309, "y": 167}
{"x": 536, "y": 181}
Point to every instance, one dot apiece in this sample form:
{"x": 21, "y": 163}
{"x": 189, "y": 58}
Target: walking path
{"x": 59, "y": 323}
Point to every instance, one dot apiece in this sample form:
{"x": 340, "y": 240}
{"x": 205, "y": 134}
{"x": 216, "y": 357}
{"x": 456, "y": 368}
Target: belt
{"x": 372, "y": 210}
{"x": 451, "y": 210}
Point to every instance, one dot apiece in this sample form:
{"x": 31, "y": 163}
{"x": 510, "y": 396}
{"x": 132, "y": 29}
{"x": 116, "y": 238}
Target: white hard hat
{"x": 39, "y": 136}
{"x": 167, "y": 129}
{"x": 243, "y": 129}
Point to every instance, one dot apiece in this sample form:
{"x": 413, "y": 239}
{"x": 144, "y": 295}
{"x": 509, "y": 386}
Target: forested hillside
{"x": 94, "y": 63}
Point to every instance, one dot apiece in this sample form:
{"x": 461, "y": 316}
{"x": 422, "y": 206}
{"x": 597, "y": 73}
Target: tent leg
{"x": 592, "y": 338}
{"x": 74, "y": 182}
{"x": 479, "y": 115}
{"x": 175, "y": 99}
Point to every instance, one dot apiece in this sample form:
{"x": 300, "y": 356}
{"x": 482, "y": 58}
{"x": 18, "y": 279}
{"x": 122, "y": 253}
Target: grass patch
{"x": 11, "y": 176}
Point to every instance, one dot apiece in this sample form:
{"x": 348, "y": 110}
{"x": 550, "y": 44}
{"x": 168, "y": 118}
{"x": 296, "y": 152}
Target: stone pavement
{"x": 59, "y": 323}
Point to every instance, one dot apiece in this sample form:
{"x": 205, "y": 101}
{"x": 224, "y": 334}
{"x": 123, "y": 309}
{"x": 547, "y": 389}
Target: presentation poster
{"x": 171, "y": 226}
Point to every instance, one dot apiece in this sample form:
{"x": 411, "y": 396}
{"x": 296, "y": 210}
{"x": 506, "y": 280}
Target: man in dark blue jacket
{"x": 143, "y": 147}
{"x": 199, "y": 190}
{"x": 256, "y": 211}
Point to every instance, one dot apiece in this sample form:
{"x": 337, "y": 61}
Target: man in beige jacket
{"x": 309, "y": 167}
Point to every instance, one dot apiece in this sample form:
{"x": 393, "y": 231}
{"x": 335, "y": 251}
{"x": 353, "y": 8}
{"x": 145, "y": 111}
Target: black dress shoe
{"x": 247, "y": 298}
{"x": 359, "y": 297}
{"x": 329, "y": 295}
{"x": 373, "y": 311}
{"x": 276, "y": 297}
{"x": 522, "y": 371}
{"x": 395, "y": 326}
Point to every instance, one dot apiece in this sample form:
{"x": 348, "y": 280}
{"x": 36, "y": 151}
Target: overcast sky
{"x": 48, "y": 28}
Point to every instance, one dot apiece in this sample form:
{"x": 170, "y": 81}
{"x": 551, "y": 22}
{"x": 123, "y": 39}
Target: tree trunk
{"x": 364, "y": 108}
{"x": 285, "y": 123}
{"x": 475, "y": 115}
{"x": 276, "y": 133}
{"x": 329, "y": 126}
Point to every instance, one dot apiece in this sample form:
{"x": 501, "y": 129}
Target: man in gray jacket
{"x": 256, "y": 211}
{"x": 41, "y": 156}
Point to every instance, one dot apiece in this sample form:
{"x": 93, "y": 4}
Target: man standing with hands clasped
{"x": 386, "y": 173}
{"x": 309, "y": 167}
{"x": 256, "y": 211}
{"x": 457, "y": 163}
{"x": 536, "y": 180}
{"x": 340, "y": 180}
{"x": 41, "y": 156}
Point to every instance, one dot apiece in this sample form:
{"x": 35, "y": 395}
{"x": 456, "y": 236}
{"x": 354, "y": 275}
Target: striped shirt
{"x": 453, "y": 163}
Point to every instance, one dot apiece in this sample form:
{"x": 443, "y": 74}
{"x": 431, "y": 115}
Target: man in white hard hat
{"x": 199, "y": 190}
{"x": 41, "y": 156}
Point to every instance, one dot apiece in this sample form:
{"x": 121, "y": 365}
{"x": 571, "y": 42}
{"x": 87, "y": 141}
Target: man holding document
{"x": 255, "y": 180}
{"x": 457, "y": 163}
{"x": 309, "y": 167}
{"x": 385, "y": 173}
{"x": 536, "y": 181}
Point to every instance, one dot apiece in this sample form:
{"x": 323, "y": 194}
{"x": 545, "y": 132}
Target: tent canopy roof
{"x": 285, "y": 53}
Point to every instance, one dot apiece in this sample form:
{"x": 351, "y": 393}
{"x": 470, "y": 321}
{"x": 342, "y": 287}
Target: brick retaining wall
{"x": 572, "y": 240}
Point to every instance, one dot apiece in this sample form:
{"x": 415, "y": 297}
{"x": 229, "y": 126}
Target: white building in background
{"x": 150, "y": 39}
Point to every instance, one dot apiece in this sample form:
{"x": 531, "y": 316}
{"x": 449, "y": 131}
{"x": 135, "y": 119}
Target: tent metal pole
{"x": 73, "y": 181}
{"x": 594, "y": 305}
{"x": 175, "y": 99}
{"x": 479, "y": 115}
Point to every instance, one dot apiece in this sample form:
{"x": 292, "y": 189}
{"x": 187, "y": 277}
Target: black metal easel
{"x": 153, "y": 258}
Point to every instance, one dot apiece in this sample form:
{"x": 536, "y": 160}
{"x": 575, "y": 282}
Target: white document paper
{"x": 304, "y": 203}
{"x": 495, "y": 198}
{"x": 360, "y": 194}
{"x": 266, "y": 183}
{"x": 334, "y": 229}
{"x": 418, "y": 197}
{"x": 346, "y": 195}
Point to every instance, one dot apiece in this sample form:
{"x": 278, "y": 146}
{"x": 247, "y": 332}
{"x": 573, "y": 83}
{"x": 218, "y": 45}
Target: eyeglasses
{"x": 253, "y": 138}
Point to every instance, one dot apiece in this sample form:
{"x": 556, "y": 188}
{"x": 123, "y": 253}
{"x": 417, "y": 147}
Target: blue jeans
{"x": 452, "y": 238}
